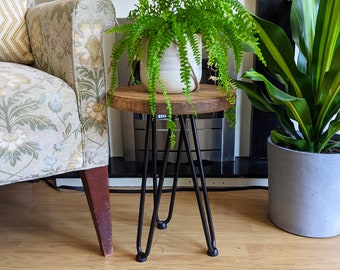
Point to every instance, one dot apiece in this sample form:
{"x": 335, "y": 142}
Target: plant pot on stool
{"x": 170, "y": 67}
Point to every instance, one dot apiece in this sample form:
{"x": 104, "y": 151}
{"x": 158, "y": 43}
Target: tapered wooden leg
{"x": 95, "y": 182}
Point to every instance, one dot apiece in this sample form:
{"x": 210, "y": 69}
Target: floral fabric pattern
{"x": 39, "y": 124}
{"x": 53, "y": 116}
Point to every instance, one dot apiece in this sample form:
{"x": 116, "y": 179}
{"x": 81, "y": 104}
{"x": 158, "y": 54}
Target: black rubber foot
{"x": 213, "y": 253}
{"x": 140, "y": 258}
{"x": 162, "y": 226}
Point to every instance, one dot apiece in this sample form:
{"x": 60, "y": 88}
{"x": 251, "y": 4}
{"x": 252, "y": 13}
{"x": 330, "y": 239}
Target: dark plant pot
{"x": 304, "y": 191}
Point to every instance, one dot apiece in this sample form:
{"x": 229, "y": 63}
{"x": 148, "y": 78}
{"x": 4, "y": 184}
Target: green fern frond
{"x": 117, "y": 51}
{"x": 224, "y": 25}
{"x": 171, "y": 125}
{"x": 195, "y": 47}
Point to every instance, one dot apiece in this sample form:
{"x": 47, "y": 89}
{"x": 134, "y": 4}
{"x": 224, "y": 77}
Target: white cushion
{"x": 14, "y": 42}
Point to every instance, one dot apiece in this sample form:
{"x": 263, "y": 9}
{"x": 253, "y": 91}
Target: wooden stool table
{"x": 206, "y": 99}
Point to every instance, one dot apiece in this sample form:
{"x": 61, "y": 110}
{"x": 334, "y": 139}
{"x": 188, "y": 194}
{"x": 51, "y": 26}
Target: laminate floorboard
{"x": 42, "y": 228}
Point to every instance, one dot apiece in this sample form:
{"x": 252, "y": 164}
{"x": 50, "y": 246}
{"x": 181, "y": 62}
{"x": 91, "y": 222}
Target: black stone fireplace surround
{"x": 240, "y": 168}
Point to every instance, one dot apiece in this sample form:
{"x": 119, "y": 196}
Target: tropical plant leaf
{"x": 256, "y": 96}
{"x": 279, "y": 56}
{"x": 327, "y": 38}
{"x": 303, "y": 20}
{"x": 259, "y": 100}
{"x": 288, "y": 141}
{"x": 309, "y": 91}
{"x": 296, "y": 108}
{"x": 325, "y": 138}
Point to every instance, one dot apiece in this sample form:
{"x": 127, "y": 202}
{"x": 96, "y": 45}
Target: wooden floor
{"x": 41, "y": 228}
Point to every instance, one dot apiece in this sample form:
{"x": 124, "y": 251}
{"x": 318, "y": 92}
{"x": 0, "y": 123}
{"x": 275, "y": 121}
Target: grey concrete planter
{"x": 304, "y": 191}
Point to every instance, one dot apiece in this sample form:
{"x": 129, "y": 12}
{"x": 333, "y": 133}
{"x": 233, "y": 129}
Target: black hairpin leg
{"x": 157, "y": 189}
{"x": 158, "y": 186}
{"x": 205, "y": 211}
{"x": 162, "y": 224}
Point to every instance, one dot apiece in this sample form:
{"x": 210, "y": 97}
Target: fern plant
{"x": 224, "y": 25}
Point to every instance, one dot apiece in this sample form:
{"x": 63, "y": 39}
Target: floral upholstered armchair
{"x": 53, "y": 116}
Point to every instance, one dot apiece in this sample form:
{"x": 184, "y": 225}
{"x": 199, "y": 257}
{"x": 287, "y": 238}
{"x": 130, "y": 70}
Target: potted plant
{"x": 304, "y": 93}
{"x": 154, "y": 26}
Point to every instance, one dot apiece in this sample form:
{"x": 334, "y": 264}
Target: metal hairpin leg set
{"x": 200, "y": 191}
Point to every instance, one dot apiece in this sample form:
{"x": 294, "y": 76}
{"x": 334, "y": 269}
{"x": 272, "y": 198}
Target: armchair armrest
{"x": 66, "y": 39}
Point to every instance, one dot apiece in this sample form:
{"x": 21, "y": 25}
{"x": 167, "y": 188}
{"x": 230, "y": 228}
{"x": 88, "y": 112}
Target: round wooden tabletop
{"x": 206, "y": 99}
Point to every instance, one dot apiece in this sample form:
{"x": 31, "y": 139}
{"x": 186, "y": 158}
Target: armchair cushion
{"x": 40, "y": 129}
{"x": 14, "y": 42}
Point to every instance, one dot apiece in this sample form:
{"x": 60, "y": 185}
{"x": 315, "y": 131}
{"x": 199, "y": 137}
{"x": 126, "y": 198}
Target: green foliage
{"x": 310, "y": 86}
{"x": 223, "y": 24}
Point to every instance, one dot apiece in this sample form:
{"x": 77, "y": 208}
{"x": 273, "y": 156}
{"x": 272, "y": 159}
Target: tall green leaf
{"x": 303, "y": 20}
{"x": 297, "y": 108}
{"x": 327, "y": 35}
{"x": 279, "y": 56}
{"x": 309, "y": 92}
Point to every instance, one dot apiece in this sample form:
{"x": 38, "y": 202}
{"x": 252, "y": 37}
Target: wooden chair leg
{"x": 95, "y": 182}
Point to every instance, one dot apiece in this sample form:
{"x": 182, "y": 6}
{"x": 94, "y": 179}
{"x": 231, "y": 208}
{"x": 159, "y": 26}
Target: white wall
{"x": 123, "y": 7}
{"x": 242, "y": 129}
{"x": 116, "y": 139}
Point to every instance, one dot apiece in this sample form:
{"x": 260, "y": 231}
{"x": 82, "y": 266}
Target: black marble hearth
{"x": 241, "y": 167}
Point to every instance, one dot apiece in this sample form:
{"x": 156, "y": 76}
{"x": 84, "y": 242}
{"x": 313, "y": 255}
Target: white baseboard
{"x": 182, "y": 182}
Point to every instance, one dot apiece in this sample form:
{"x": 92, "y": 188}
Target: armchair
{"x": 53, "y": 116}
